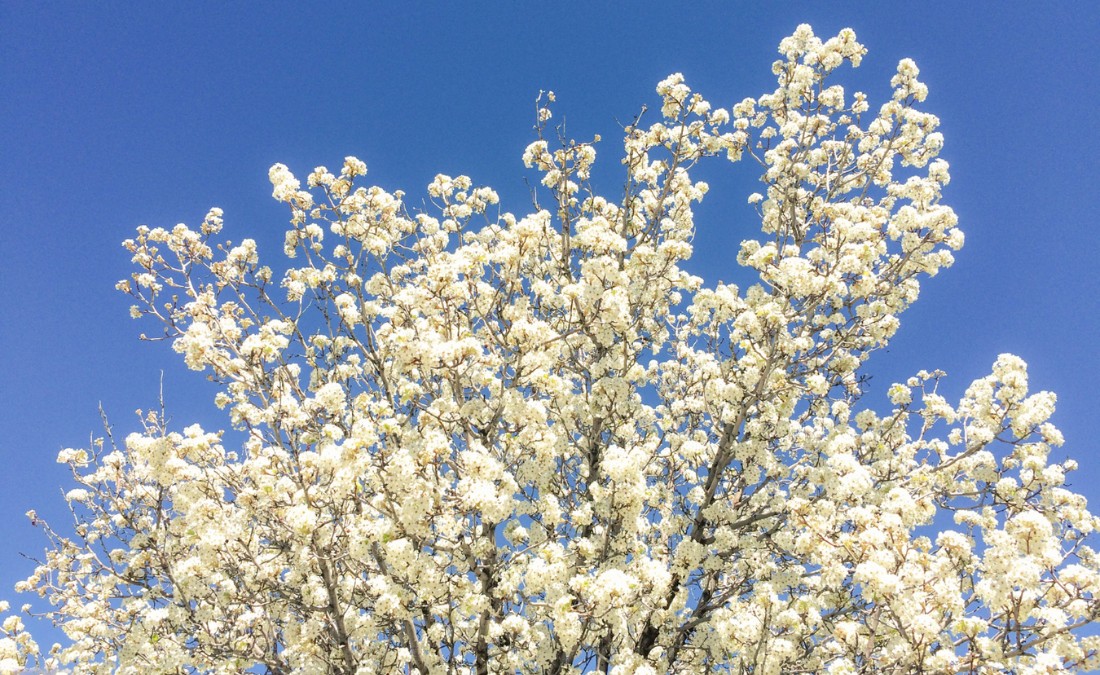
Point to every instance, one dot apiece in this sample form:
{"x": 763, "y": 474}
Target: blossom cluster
{"x": 479, "y": 442}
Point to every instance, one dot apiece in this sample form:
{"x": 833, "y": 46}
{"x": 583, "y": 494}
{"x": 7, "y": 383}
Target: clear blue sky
{"x": 114, "y": 115}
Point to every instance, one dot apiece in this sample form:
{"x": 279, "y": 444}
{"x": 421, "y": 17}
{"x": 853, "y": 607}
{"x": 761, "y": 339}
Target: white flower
{"x": 331, "y": 397}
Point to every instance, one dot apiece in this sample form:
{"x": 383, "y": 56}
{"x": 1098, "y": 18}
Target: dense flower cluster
{"x": 480, "y": 442}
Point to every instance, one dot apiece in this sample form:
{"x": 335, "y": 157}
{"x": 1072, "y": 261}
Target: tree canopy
{"x": 473, "y": 441}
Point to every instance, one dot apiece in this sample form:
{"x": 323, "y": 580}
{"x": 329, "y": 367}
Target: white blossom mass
{"x": 481, "y": 442}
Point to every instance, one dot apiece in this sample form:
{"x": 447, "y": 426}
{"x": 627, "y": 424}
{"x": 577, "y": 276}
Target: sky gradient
{"x": 115, "y": 115}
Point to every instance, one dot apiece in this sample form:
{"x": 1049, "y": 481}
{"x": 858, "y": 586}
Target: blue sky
{"x": 115, "y": 115}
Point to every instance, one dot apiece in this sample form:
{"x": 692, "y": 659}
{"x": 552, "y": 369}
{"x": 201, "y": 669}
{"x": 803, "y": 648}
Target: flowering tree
{"x": 477, "y": 442}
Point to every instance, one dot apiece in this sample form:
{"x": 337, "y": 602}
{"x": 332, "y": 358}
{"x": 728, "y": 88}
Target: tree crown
{"x": 475, "y": 441}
